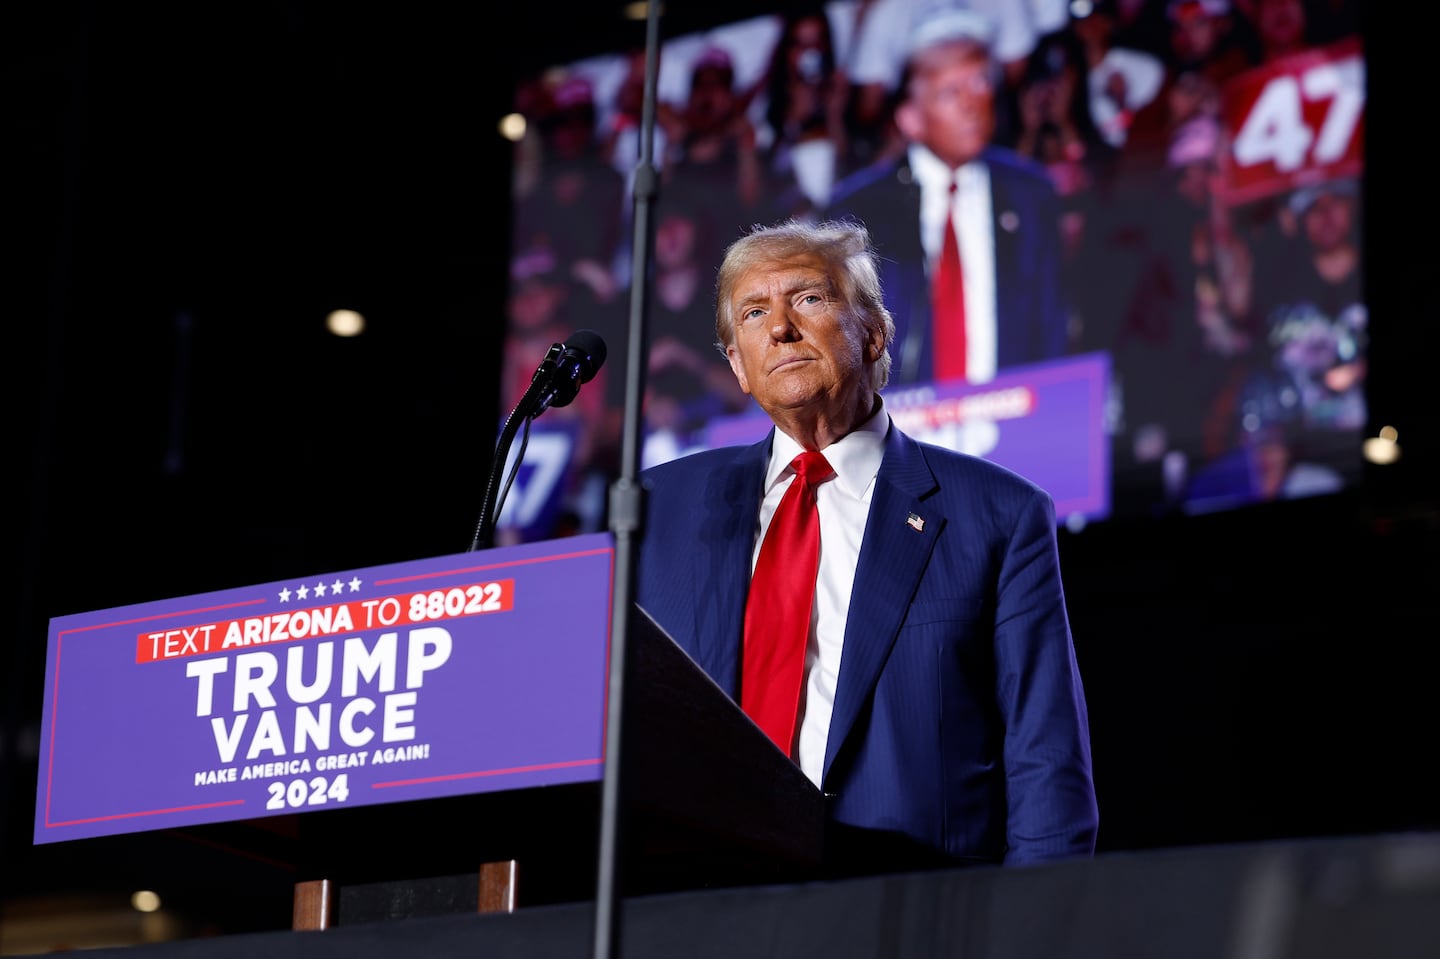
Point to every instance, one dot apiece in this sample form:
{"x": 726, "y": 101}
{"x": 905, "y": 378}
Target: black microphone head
{"x": 589, "y": 349}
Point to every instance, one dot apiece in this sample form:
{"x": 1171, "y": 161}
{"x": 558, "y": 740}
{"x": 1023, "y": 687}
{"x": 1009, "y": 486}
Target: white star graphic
{"x": 285, "y": 595}
{"x": 355, "y": 585}
{"x": 337, "y": 587}
{"x": 302, "y": 592}
{"x": 320, "y": 589}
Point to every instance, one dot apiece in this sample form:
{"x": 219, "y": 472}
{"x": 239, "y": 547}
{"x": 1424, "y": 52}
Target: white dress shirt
{"x": 843, "y": 503}
{"x": 974, "y": 228}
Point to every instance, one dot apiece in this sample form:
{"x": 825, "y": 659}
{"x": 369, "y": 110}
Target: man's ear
{"x": 874, "y": 342}
{"x": 909, "y": 121}
{"x": 736, "y": 367}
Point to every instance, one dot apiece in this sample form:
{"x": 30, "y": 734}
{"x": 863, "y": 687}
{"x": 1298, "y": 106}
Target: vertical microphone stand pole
{"x": 627, "y": 508}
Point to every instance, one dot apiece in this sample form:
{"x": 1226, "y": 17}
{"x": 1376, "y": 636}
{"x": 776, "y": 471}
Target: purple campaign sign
{"x": 459, "y": 674}
{"x": 1045, "y": 421}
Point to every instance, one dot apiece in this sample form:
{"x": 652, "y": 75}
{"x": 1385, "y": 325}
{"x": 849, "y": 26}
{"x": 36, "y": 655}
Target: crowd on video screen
{"x": 1199, "y": 224}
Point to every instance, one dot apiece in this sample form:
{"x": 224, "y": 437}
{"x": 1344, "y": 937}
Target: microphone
{"x": 556, "y": 383}
{"x": 565, "y": 367}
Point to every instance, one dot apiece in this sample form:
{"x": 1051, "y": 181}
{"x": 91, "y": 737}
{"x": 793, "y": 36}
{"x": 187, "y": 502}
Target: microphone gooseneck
{"x": 556, "y": 382}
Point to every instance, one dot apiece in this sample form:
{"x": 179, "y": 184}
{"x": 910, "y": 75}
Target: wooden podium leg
{"x": 314, "y": 905}
{"x": 315, "y": 900}
{"x": 497, "y": 886}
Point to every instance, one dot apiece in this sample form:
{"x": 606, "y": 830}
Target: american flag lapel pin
{"x": 915, "y": 522}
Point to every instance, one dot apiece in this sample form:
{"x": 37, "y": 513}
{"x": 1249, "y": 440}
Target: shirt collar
{"x": 855, "y": 457}
{"x": 933, "y": 173}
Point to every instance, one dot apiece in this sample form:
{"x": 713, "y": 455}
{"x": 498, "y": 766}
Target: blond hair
{"x": 845, "y": 247}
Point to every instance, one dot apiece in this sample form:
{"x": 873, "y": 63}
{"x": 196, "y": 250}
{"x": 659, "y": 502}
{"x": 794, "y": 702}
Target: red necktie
{"x": 777, "y": 612}
{"x": 948, "y": 303}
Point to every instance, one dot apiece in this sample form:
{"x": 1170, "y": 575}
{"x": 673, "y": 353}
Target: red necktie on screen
{"x": 947, "y": 300}
{"x": 777, "y": 612}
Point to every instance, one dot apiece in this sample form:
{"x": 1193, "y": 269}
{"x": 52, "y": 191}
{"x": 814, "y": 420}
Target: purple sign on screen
{"x": 1045, "y": 421}
{"x": 438, "y": 677}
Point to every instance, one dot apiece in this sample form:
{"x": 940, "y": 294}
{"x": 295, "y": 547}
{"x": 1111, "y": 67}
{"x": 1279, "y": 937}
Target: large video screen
{"x": 1161, "y": 241}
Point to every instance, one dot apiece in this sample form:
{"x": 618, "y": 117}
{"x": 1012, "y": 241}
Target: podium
{"x": 434, "y": 730}
{"x": 709, "y": 802}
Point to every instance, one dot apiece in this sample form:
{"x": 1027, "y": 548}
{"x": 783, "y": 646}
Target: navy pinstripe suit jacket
{"x": 959, "y": 720}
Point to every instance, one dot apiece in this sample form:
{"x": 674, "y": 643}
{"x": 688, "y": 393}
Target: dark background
{"x": 193, "y": 186}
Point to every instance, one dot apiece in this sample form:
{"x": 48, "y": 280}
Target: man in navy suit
{"x": 941, "y": 708}
{"x": 1003, "y": 206}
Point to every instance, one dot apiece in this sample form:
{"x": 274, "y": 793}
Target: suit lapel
{"x": 1008, "y": 223}
{"x": 733, "y": 497}
{"x": 909, "y": 291}
{"x": 900, "y": 535}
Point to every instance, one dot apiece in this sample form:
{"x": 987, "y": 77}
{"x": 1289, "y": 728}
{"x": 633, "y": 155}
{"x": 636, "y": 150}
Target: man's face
{"x": 807, "y": 42}
{"x": 1329, "y": 221}
{"x": 1194, "y": 34}
{"x": 797, "y": 348}
{"x": 571, "y": 131}
{"x": 674, "y": 240}
{"x": 535, "y": 302}
{"x": 1281, "y": 23}
{"x": 950, "y": 106}
{"x": 712, "y": 100}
